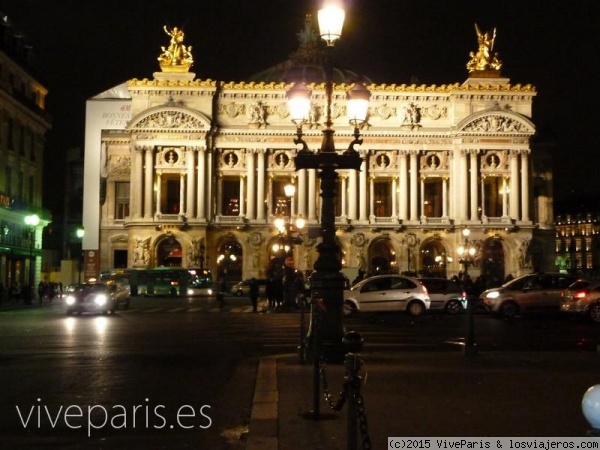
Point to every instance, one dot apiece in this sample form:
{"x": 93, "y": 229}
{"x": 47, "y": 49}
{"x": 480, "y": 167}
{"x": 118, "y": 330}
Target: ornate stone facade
{"x": 207, "y": 161}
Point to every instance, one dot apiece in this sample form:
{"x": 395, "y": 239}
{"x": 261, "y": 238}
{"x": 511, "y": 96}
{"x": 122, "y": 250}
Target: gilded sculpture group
{"x": 484, "y": 59}
{"x": 177, "y": 55}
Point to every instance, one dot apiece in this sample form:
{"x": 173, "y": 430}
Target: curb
{"x": 263, "y": 428}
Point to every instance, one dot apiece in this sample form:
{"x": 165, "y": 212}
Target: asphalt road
{"x": 176, "y": 373}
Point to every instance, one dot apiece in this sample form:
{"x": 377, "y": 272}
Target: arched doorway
{"x": 229, "y": 261}
{"x": 492, "y": 262}
{"x": 169, "y": 253}
{"x": 382, "y": 258}
{"x": 433, "y": 259}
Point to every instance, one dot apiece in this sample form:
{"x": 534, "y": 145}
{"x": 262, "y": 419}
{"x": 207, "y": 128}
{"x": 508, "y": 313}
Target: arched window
{"x": 383, "y": 258}
{"x": 433, "y": 259}
{"x": 229, "y": 261}
{"x": 492, "y": 262}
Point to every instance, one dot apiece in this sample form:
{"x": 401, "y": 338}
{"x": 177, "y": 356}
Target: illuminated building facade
{"x": 185, "y": 171}
{"x": 23, "y": 125}
{"x": 578, "y": 244}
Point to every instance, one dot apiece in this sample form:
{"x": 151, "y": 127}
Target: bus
{"x": 163, "y": 281}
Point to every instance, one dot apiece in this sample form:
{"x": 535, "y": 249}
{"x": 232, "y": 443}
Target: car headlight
{"x": 70, "y": 300}
{"x": 100, "y": 299}
{"x": 210, "y": 291}
{"x": 493, "y": 294}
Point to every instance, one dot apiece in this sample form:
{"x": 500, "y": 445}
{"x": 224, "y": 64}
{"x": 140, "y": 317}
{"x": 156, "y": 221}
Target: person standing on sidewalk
{"x": 254, "y": 294}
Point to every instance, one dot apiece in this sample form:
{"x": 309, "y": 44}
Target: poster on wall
{"x": 91, "y": 264}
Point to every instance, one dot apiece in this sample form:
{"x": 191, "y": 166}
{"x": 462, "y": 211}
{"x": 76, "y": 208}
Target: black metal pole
{"x": 30, "y": 290}
{"x": 470, "y": 348}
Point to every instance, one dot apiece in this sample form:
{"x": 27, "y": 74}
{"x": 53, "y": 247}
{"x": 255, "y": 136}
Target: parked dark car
{"x": 582, "y": 298}
{"x": 96, "y": 298}
{"x": 445, "y": 295}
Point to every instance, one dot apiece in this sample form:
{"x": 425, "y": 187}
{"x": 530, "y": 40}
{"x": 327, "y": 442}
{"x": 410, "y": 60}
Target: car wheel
{"x": 126, "y": 304}
{"x": 453, "y": 307}
{"x": 509, "y": 309}
{"x": 415, "y": 308}
{"x": 595, "y": 312}
{"x": 349, "y": 309}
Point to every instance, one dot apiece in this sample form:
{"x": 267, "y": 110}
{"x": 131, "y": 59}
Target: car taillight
{"x": 424, "y": 289}
{"x": 464, "y": 294}
{"x": 580, "y": 294}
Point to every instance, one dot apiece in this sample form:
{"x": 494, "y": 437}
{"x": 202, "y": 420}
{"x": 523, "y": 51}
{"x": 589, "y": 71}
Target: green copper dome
{"x": 307, "y": 64}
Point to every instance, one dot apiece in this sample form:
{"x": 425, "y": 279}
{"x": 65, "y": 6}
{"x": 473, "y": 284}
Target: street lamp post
{"x": 32, "y": 221}
{"x": 288, "y": 241}
{"x": 80, "y": 232}
{"x": 466, "y": 253}
{"x": 327, "y": 282}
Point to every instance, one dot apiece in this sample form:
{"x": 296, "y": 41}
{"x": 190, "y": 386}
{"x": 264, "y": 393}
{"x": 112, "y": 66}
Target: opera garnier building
{"x": 190, "y": 172}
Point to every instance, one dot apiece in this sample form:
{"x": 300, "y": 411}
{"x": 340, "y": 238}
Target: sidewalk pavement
{"x": 426, "y": 394}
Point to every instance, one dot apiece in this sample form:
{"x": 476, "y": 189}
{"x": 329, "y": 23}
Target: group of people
{"x": 16, "y": 292}
{"x": 48, "y": 290}
{"x": 481, "y": 283}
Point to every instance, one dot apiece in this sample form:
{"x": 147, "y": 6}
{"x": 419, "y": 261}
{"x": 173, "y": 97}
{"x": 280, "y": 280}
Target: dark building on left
{"x": 24, "y": 123}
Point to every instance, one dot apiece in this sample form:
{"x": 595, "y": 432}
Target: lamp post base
{"x": 327, "y": 316}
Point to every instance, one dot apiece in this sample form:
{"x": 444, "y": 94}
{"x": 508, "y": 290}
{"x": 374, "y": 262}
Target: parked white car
{"x": 387, "y": 293}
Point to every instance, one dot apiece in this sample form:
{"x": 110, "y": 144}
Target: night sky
{"x": 84, "y": 47}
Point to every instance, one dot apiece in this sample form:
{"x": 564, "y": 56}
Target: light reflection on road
{"x": 76, "y": 327}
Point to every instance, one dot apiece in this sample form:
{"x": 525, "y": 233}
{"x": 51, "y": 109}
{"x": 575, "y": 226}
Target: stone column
{"x": 201, "y": 199}
{"x": 251, "y": 196}
{"x": 352, "y": 194}
{"x": 136, "y": 175}
{"x": 260, "y": 192}
{"x": 414, "y": 173}
{"x": 403, "y": 176}
{"x": 372, "y": 199}
{"x": 463, "y": 193}
{"x": 362, "y": 192}
{"x": 525, "y": 185}
{"x": 473, "y": 188}
{"x": 242, "y": 193}
{"x": 182, "y": 193}
{"x": 190, "y": 154}
{"x": 158, "y": 192}
{"x": 148, "y": 182}
{"x": 514, "y": 184}
{"x": 445, "y": 196}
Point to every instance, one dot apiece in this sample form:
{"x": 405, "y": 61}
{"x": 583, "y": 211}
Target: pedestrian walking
{"x": 221, "y": 293}
{"x": 254, "y": 294}
{"x": 270, "y": 293}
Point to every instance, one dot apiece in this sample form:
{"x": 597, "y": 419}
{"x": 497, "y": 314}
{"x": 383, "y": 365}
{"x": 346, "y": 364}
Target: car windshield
{"x": 90, "y": 288}
{"x": 579, "y": 284}
{"x": 517, "y": 283}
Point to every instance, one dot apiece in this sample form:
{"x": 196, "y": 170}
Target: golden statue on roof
{"x": 177, "y": 57}
{"x": 484, "y": 59}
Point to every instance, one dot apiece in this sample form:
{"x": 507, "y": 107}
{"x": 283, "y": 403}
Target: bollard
{"x": 302, "y": 347}
{"x": 590, "y": 405}
{"x": 470, "y": 348}
{"x": 352, "y": 343}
